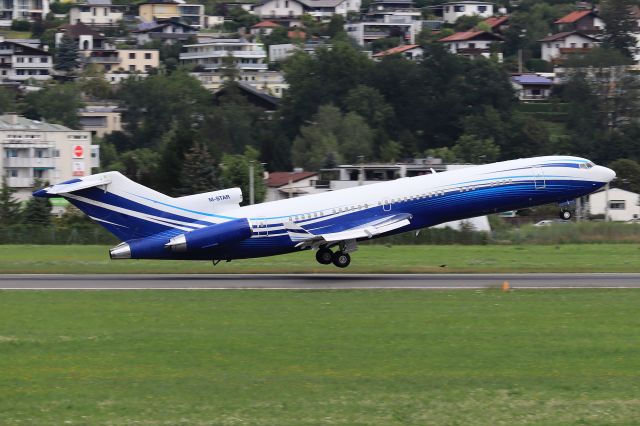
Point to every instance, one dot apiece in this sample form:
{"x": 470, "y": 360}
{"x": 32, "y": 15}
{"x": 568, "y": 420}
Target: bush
{"x": 20, "y": 25}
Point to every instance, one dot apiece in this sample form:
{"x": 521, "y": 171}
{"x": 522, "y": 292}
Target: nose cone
{"x": 606, "y": 175}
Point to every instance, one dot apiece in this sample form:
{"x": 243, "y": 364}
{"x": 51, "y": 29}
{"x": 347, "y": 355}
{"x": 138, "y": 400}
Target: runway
{"x": 317, "y": 281}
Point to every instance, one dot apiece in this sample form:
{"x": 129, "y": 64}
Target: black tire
{"x": 341, "y": 259}
{"x": 565, "y": 215}
{"x": 324, "y": 256}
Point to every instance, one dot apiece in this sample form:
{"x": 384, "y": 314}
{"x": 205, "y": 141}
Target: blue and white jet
{"x": 213, "y": 226}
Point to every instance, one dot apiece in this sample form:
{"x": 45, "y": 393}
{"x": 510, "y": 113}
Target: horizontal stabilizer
{"x": 73, "y": 186}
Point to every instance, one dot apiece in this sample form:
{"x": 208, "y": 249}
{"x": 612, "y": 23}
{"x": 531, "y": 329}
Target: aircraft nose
{"x": 607, "y": 174}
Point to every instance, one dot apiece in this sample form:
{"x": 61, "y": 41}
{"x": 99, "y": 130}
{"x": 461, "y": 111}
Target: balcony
{"x": 32, "y": 65}
{"x": 223, "y": 54}
{"x": 103, "y": 60}
{"x": 28, "y": 162}
{"x": 18, "y": 182}
{"x": 573, "y": 50}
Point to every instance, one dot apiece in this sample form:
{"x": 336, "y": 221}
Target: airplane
{"x": 213, "y": 226}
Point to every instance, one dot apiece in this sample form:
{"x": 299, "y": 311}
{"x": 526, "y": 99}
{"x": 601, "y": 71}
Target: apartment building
{"x": 269, "y": 82}
{"x": 191, "y": 14}
{"x": 213, "y": 55}
{"x": 25, "y": 10}
{"x": 32, "y": 149}
{"x": 22, "y": 61}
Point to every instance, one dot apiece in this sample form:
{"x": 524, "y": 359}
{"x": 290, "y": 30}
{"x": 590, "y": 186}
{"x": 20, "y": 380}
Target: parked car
{"x": 549, "y": 222}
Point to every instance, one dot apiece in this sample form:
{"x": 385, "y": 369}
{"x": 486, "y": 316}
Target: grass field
{"x": 320, "y": 357}
{"x": 397, "y": 259}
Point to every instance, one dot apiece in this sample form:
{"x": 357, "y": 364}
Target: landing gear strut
{"x": 324, "y": 256}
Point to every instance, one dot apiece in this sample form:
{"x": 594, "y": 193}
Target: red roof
{"x": 470, "y": 35}
{"x": 397, "y": 49}
{"x": 278, "y": 179}
{"x": 496, "y": 21}
{"x": 573, "y": 17}
{"x": 266, "y": 24}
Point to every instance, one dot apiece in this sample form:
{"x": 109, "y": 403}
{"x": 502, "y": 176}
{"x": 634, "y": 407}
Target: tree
{"x": 7, "y": 100}
{"x": 199, "y": 171}
{"x": 9, "y": 207}
{"x": 627, "y": 173}
{"x": 57, "y": 103}
{"x": 471, "y": 149}
{"x": 620, "y": 25}
{"x": 235, "y": 173}
{"x": 67, "y": 56}
{"x": 37, "y": 211}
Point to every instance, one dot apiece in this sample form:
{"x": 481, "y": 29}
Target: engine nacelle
{"x": 211, "y": 236}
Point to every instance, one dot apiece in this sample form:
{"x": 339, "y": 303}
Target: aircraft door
{"x": 386, "y": 205}
{"x": 538, "y": 178}
{"x": 262, "y": 229}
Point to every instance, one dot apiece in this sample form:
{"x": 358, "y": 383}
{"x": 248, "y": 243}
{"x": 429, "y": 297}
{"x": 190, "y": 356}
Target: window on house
{"x": 132, "y": 55}
{"x": 286, "y": 4}
{"x": 132, "y": 67}
{"x": 585, "y": 45}
{"x": 617, "y": 204}
{"x": 472, "y": 45}
{"x": 44, "y": 60}
{"x": 106, "y": 11}
{"x": 557, "y": 45}
{"x": 458, "y": 9}
{"x": 20, "y": 60}
{"x": 12, "y": 173}
{"x": 147, "y": 67}
{"x": 30, "y": 60}
{"x": 147, "y": 55}
{"x": 93, "y": 11}
{"x": 482, "y": 9}
{"x": 573, "y": 45}
{"x": 446, "y": 9}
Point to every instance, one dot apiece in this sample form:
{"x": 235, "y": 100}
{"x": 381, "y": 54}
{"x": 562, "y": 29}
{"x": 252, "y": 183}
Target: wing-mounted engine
{"x": 224, "y": 199}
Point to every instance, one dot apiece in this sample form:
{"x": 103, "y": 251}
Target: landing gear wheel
{"x": 565, "y": 215}
{"x": 324, "y": 256}
{"x": 341, "y": 259}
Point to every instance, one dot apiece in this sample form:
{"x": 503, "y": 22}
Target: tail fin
{"x": 127, "y": 209}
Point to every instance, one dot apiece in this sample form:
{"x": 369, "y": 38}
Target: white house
{"x": 532, "y": 87}
{"x": 21, "y": 62}
{"x": 559, "y": 45}
{"x": 23, "y": 10}
{"x": 453, "y": 10}
{"x": 278, "y": 9}
{"x": 473, "y": 44}
{"x": 292, "y": 10}
{"x": 95, "y": 13}
{"x": 211, "y": 56}
{"x": 269, "y": 82}
{"x": 281, "y": 185}
{"x": 622, "y": 205}
{"x": 368, "y": 31}
{"x": 166, "y": 30}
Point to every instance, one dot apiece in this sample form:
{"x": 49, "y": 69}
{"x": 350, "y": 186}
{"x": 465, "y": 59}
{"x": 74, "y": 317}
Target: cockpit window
{"x": 583, "y": 166}
{"x": 590, "y": 165}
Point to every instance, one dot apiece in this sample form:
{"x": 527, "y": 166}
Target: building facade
{"x": 138, "y": 60}
{"x": 269, "y": 82}
{"x": 557, "y": 47}
{"x": 96, "y": 13}
{"x": 215, "y": 55}
{"x": 100, "y": 120}
{"x": 21, "y": 62}
{"x": 32, "y": 150}
{"x": 22, "y": 10}
{"x": 615, "y": 204}
{"x": 453, "y": 10}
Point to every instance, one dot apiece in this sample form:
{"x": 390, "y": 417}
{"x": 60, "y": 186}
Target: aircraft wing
{"x": 379, "y": 225}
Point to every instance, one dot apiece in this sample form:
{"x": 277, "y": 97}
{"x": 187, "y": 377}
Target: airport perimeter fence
{"x": 570, "y": 233}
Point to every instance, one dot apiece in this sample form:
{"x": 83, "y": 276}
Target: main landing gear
{"x": 340, "y": 258}
{"x": 565, "y": 214}
{"x": 566, "y": 209}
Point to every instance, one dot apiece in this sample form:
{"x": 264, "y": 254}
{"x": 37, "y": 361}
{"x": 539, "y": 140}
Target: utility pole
{"x": 251, "y": 188}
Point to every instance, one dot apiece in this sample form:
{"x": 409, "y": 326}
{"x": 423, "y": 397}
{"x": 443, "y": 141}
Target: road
{"x": 316, "y": 281}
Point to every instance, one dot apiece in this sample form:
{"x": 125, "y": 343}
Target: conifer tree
{"x": 9, "y": 206}
{"x": 67, "y": 56}
{"x": 37, "y": 211}
{"x": 199, "y": 171}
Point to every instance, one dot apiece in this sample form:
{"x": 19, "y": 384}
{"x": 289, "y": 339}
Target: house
{"x": 87, "y": 38}
{"x": 498, "y": 24}
{"x": 138, "y": 60}
{"x": 368, "y": 31}
{"x": 451, "y": 11}
{"x": 269, "y": 82}
{"x": 96, "y": 13}
{"x": 289, "y": 11}
{"x": 473, "y": 44}
{"x": 33, "y": 149}
{"x": 379, "y": 8}
{"x": 167, "y": 31}
{"x": 281, "y": 185}
{"x": 191, "y": 14}
{"x": 584, "y": 21}
{"x": 557, "y": 46}
{"x": 323, "y": 10}
{"x": 532, "y": 87}
{"x": 21, "y": 61}
{"x": 212, "y": 55}
{"x": 413, "y": 52}
{"x": 264, "y": 28}
{"x": 615, "y": 204}
{"x": 279, "y": 52}
{"x": 100, "y": 120}
{"x": 23, "y": 10}
{"x": 252, "y": 95}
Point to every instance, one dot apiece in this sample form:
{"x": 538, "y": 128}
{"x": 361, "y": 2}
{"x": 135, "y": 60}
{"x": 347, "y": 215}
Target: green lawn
{"x": 398, "y": 259}
{"x": 320, "y": 357}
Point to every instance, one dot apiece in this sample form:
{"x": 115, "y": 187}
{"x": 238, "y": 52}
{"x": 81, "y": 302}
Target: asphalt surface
{"x": 316, "y": 281}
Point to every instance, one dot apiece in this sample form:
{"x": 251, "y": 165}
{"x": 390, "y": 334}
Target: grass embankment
{"x": 380, "y": 259}
{"x": 295, "y": 358}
